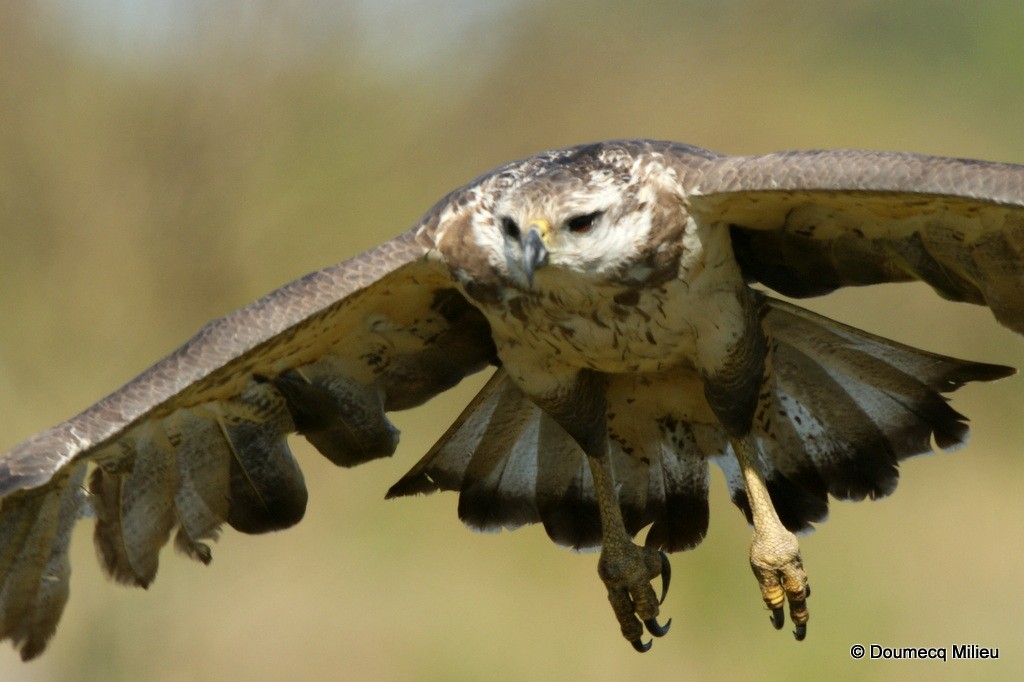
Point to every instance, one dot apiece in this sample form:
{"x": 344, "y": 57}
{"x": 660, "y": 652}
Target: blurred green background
{"x": 162, "y": 163}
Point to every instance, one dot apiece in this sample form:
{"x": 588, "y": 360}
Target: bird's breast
{"x": 605, "y": 329}
{"x": 630, "y": 323}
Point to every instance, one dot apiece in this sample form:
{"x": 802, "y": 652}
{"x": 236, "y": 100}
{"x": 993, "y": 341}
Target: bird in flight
{"x": 619, "y": 292}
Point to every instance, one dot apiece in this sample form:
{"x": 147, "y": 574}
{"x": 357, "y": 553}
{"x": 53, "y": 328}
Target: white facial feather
{"x": 600, "y": 252}
{"x": 625, "y": 202}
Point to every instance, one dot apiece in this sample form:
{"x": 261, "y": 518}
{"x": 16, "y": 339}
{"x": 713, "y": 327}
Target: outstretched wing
{"x": 199, "y": 439}
{"x": 806, "y": 223}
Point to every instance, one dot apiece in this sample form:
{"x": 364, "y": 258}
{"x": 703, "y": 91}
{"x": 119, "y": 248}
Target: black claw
{"x": 666, "y": 577}
{"x": 641, "y": 647}
{"x": 800, "y": 632}
{"x": 807, "y": 590}
{"x": 657, "y": 630}
{"x": 778, "y": 618}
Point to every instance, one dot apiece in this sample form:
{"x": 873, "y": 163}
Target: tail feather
{"x": 497, "y": 491}
{"x": 851, "y": 452}
{"x": 565, "y": 490}
{"x": 444, "y": 466}
{"x": 678, "y": 492}
{"x": 843, "y": 409}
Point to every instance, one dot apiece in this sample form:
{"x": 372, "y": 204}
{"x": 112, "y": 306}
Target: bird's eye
{"x": 509, "y": 227}
{"x": 582, "y": 223}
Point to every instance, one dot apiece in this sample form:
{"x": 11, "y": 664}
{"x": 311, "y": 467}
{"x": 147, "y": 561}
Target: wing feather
{"x": 290, "y": 326}
{"x": 807, "y": 223}
{"x": 202, "y": 499}
{"x": 200, "y": 438}
{"x": 147, "y": 503}
{"x": 105, "y": 490}
{"x": 35, "y": 536}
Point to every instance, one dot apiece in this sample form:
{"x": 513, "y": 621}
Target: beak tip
{"x": 535, "y": 254}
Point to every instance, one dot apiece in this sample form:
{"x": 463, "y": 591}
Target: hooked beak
{"x": 535, "y": 249}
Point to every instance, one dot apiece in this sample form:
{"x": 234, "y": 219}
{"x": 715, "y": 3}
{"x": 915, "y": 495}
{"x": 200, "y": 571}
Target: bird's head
{"x": 560, "y": 222}
{"x": 592, "y": 222}
{"x": 576, "y": 220}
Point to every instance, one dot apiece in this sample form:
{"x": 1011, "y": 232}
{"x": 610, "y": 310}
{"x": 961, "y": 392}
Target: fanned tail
{"x": 845, "y": 407}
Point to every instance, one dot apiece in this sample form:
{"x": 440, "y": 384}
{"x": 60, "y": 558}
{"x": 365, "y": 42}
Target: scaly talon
{"x": 655, "y": 629}
{"x": 775, "y": 560}
{"x": 625, "y": 568}
{"x": 666, "y": 578}
{"x": 627, "y": 571}
{"x": 642, "y": 647}
{"x": 774, "y": 551}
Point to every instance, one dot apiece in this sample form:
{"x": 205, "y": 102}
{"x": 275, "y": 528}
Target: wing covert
{"x": 807, "y": 223}
{"x": 283, "y": 326}
{"x": 200, "y": 438}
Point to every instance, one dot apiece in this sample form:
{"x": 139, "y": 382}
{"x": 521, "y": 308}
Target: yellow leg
{"x": 625, "y": 568}
{"x": 774, "y": 551}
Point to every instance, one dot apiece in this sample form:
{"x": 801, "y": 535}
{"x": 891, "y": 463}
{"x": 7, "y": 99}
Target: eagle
{"x": 620, "y": 293}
